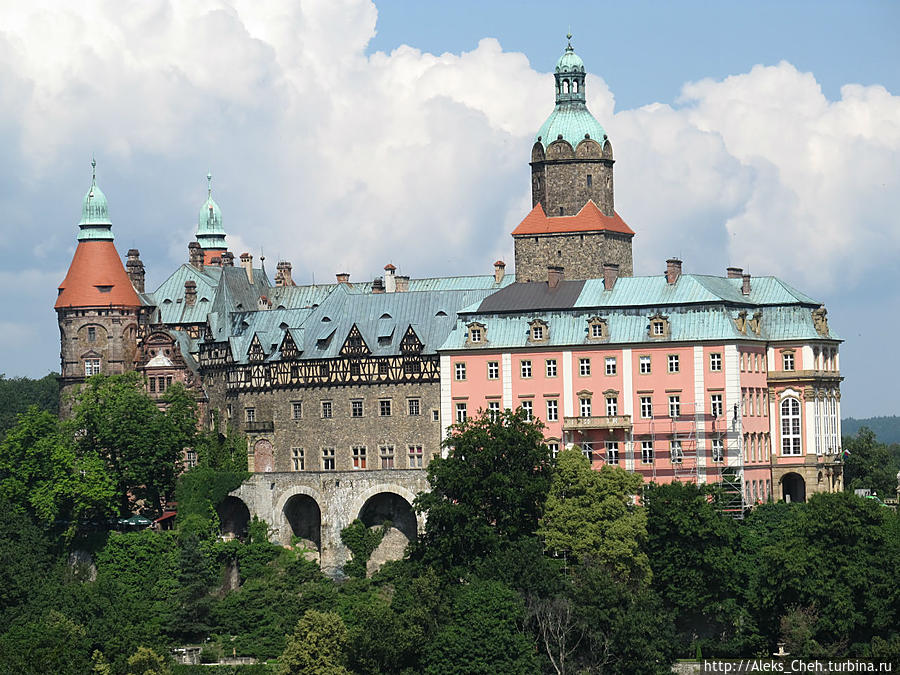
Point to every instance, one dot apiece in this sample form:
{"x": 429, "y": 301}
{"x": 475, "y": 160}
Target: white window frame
{"x": 612, "y": 406}
{"x": 493, "y": 370}
{"x": 610, "y": 365}
{"x": 674, "y": 406}
{"x": 612, "y": 453}
{"x": 584, "y": 406}
{"x": 584, "y": 366}
{"x": 644, "y": 364}
{"x": 646, "y": 407}
{"x": 550, "y": 367}
{"x": 717, "y": 446}
{"x": 552, "y": 409}
{"x": 460, "y": 413}
{"x": 459, "y": 371}
{"x": 676, "y": 452}
{"x": 297, "y": 459}
{"x": 646, "y": 452}
{"x": 715, "y": 362}
{"x": 525, "y": 369}
{"x": 360, "y": 459}
{"x": 791, "y": 427}
{"x": 674, "y": 363}
{"x": 716, "y": 405}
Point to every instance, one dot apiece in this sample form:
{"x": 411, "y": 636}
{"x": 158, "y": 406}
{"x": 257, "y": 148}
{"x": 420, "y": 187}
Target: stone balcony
{"x": 607, "y": 422}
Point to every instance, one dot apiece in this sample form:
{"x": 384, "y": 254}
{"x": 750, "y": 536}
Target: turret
{"x": 210, "y": 233}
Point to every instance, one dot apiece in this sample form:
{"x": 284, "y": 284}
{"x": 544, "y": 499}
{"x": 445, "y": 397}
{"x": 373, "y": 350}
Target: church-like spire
{"x": 95, "y": 223}
{"x": 569, "y": 75}
{"x": 210, "y": 233}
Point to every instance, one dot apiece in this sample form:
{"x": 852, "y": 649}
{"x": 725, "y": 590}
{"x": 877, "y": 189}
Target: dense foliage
{"x": 869, "y": 464}
{"x": 20, "y": 393}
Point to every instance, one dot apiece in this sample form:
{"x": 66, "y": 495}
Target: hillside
{"x": 887, "y": 429}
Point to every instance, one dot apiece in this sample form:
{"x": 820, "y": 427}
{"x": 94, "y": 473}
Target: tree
{"x": 20, "y": 393}
{"x": 145, "y": 661}
{"x": 317, "y": 646}
{"x": 870, "y": 464}
{"x": 52, "y": 644}
{"x": 592, "y": 514}
{"x": 488, "y": 491}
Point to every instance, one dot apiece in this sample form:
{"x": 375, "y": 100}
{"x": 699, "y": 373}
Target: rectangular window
{"x": 597, "y": 330}
{"x": 644, "y": 363}
{"x": 414, "y": 406}
{"x": 493, "y": 370}
{"x": 718, "y": 450}
{"x": 326, "y": 409}
{"x": 92, "y": 334}
{"x": 494, "y": 410}
{"x": 356, "y": 408}
{"x": 152, "y": 385}
{"x": 715, "y": 405}
{"x": 460, "y": 371}
{"x": 590, "y": 180}
{"x": 552, "y": 410}
{"x": 554, "y": 449}
{"x": 191, "y": 458}
{"x": 415, "y": 456}
{"x": 659, "y": 328}
{"x": 585, "y": 407}
{"x": 526, "y": 369}
{"x": 537, "y": 332}
{"x": 551, "y": 367}
{"x": 587, "y": 449}
{"x": 612, "y": 452}
{"x": 460, "y": 412}
{"x": 528, "y": 407}
{"x": 715, "y": 362}
{"x": 251, "y": 414}
{"x": 612, "y": 406}
{"x": 674, "y": 365}
{"x": 384, "y": 407}
{"x": 674, "y": 406}
{"x": 646, "y": 407}
{"x": 677, "y": 453}
{"x": 387, "y": 456}
{"x": 91, "y": 367}
{"x": 646, "y": 452}
{"x": 359, "y": 457}
{"x": 297, "y": 459}
{"x": 788, "y": 360}
{"x": 610, "y": 365}
{"x": 474, "y": 335}
{"x": 435, "y": 416}
{"x": 327, "y": 459}
{"x": 584, "y": 367}
{"x": 296, "y": 410}
{"x": 168, "y": 381}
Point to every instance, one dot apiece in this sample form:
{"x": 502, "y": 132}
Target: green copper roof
{"x": 569, "y": 62}
{"x": 210, "y": 233}
{"x": 95, "y": 223}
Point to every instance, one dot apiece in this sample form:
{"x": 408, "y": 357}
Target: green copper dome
{"x": 570, "y": 120}
{"x": 210, "y": 233}
{"x": 95, "y": 223}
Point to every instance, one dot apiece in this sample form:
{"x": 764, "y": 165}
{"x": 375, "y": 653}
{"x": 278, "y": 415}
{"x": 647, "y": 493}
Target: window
{"x": 597, "y": 330}
{"x": 659, "y": 328}
{"x": 435, "y": 416}
{"x": 715, "y": 362}
{"x": 790, "y": 426}
{"x": 587, "y": 449}
{"x": 644, "y": 362}
{"x": 415, "y": 456}
{"x": 646, "y": 452}
{"x": 414, "y": 406}
{"x": 474, "y": 335}
{"x": 554, "y": 449}
{"x": 674, "y": 405}
{"x": 674, "y": 365}
{"x": 296, "y": 410}
{"x": 528, "y": 407}
{"x": 251, "y": 414}
{"x": 91, "y": 367}
{"x": 387, "y": 456}
{"x": 92, "y": 334}
{"x": 552, "y": 410}
{"x": 327, "y": 459}
{"x": 326, "y": 409}
{"x": 537, "y": 332}
{"x": 190, "y": 458}
{"x": 460, "y": 371}
{"x": 359, "y": 456}
{"x": 715, "y": 405}
{"x": 460, "y": 412}
{"x": 718, "y": 450}
{"x": 610, "y": 365}
{"x": 612, "y": 406}
{"x": 493, "y": 370}
{"x": 584, "y": 367}
{"x": 526, "y": 368}
{"x": 551, "y": 367}
{"x": 787, "y": 359}
{"x": 494, "y": 410}
{"x": 585, "y": 407}
{"x": 297, "y": 459}
{"x": 356, "y": 408}
{"x": 152, "y": 385}
{"x": 676, "y": 452}
{"x": 612, "y": 452}
{"x": 646, "y": 407}
{"x": 590, "y": 180}
{"x": 384, "y": 407}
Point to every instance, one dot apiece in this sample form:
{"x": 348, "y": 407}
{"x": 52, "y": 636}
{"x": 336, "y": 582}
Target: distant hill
{"x": 887, "y": 429}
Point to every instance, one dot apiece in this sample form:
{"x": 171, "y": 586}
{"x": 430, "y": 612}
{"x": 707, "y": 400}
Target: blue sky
{"x": 343, "y": 135}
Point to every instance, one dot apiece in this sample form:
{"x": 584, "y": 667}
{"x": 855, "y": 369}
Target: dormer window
{"x": 476, "y": 333}
{"x": 597, "y": 329}
{"x": 538, "y": 331}
{"x": 659, "y": 327}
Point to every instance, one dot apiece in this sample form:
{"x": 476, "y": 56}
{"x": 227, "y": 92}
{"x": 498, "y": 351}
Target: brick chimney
{"x": 554, "y": 275}
{"x": 135, "y": 269}
{"x": 734, "y": 272}
{"x": 284, "y": 272}
{"x": 247, "y": 264}
{"x": 673, "y": 270}
{"x": 195, "y": 255}
{"x": 190, "y": 292}
{"x": 499, "y": 271}
{"x": 227, "y": 259}
{"x": 343, "y": 278}
{"x": 378, "y": 286}
{"x": 610, "y": 274}
{"x": 745, "y": 284}
{"x": 402, "y": 284}
{"x": 390, "y": 280}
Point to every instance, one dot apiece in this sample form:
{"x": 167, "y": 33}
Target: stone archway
{"x": 234, "y": 517}
{"x": 303, "y": 519}
{"x": 793, "y": 487}
{"x": 390, "y": 507}
{"x": 263, "y": 456}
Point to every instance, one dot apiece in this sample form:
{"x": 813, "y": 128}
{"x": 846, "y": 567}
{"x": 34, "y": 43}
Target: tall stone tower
{"x": 573, "y": 223}
{"x": 97, "y": 307}
{"x": 210, "y": 233}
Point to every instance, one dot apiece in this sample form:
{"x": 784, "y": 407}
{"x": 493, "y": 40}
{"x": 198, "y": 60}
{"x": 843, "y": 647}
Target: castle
{"x": 345, "y": 390}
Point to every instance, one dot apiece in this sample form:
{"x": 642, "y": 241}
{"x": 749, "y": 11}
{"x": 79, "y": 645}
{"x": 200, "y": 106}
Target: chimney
{"x": 745, "y": 284}
{"x": 228, "y": 259}
{"x": 402, "y": 284}
{"x": 554, "y": 275}
{"x": 190, "y": 292}
{"x": 378, "y": 286}
{"x": 343, "y": 278}
{"x": 673, "y": 270}
{"x": 390, "y": 281}
{"x": 216, "y": 261}
{"x": 734, "y": 272}
{"x": 610, "y": 274}
{"x": 135, "y": 269}
{"x": 499, "y": 271}
{"x": 247, "y": 264}
{"x": 284, "y": 268}
{"x": 195, "y": 255}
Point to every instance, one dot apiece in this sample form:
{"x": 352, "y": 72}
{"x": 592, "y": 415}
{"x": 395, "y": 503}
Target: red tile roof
{"x": 96, "y": 265}
{"x": 589, "y": 219}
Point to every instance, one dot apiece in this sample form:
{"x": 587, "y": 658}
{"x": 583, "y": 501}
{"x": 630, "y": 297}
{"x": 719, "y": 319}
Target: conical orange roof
{"x": 96, "y": 278}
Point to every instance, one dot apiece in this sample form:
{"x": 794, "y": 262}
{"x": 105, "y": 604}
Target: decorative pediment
{"x": 476, "y": 333}
{"x": 410, "y": 343}
{"x": 659, "y": 328}
{"x": 597, "y": 329}
{"x": 288, "y": 347}
{"x": 256, "y": 352}
{"x": 354, "y": 344}
{"x": 538, "y": 331}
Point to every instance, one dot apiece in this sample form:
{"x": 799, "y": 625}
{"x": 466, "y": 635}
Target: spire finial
{"x": 208, "y": 184}
{"x": 569, "y": 38}
{"x": 93, "y": 169}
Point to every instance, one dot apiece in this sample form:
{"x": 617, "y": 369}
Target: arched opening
{"x": 234, "y": 518}
{"x": 793, "y": 488}
{"x": 574, "y": 86}
{"x": 302, "y": 514}
{"x": 387, "y": 506}
{"x": 565, "y": 86}
{"x": 263, "y": 456}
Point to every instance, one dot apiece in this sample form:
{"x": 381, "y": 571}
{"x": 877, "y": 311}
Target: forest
{"x": 528, "y": 563}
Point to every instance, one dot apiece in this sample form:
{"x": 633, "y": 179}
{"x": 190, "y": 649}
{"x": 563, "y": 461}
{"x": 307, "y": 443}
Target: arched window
{"x": 574, "y": 86}
{"x": 790, "y": 426}
{"x": 565, "y": 86}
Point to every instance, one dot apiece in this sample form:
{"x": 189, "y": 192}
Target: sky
{"x": 346, "y": 134}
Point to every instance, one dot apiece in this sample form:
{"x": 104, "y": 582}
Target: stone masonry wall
{"x": 580, "y": 254}
{"x": 564, "y": 185}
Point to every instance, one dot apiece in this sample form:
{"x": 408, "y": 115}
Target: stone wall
{"x": 563, "y": 179}
{"x": 580, "y": 254}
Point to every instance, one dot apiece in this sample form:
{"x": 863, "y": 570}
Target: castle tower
{"x": 97, "y": 306}
{"x": 573, "y": 223}
{"x": 210, "y": 232}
